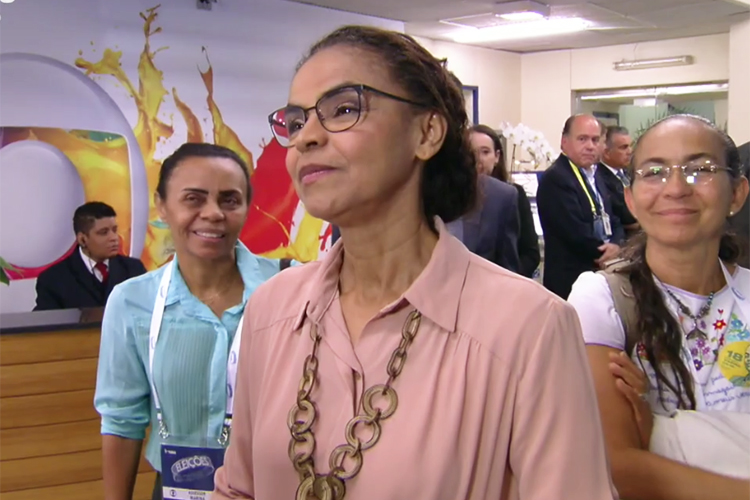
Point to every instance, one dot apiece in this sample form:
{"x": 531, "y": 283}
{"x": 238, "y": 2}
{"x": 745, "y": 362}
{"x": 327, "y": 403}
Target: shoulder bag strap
{"x": 624, "y": 300}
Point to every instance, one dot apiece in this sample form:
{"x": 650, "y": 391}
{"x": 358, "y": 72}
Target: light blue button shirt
{"x": 190, "y": 360}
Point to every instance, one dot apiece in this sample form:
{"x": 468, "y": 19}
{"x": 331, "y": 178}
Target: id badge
{"x": 187, "y": 473}
{"x": 607, "y": 224}
{"x": 599, "y": 231}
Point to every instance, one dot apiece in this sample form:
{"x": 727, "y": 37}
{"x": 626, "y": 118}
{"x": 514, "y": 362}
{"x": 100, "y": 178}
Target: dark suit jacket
{"x": 528, "y": 240}
{"x": 70, "y": 285}
{"x": 492, "y": 230}
{"x": 570, "y": 245}
{"x": 740, "y": 223}
{"x": 616, "y": 195}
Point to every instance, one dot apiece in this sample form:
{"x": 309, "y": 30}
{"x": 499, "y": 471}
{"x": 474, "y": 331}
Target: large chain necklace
{"x": 346, "y": 460}
{"x": 696, "y": 331}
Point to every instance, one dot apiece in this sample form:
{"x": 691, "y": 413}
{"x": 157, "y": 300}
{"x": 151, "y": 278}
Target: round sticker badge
{"x": 734, "y": 363}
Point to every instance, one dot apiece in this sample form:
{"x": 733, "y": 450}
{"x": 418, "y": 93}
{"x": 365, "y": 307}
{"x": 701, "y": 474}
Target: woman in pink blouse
{"x": 402, "y": 366}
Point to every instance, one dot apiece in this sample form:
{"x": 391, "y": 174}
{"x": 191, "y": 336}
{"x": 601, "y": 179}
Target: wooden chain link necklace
{"x": 331, "y": 486}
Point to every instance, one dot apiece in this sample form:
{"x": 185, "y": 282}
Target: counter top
{"x": 46, "y": 321}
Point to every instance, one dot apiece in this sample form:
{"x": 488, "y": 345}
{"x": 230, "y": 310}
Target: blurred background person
{"x": 490, "y": 157}
{"x": 169, "y": 347}
{"x": 492, "y": 229}
{"x": 679, "y": 307}
{"x": 580, "y": 231}
{"x": 87, "y": 276}
{"x": 612, "y": 172}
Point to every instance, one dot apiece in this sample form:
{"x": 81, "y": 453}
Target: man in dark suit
{"x": 611, "y": 171}
{"x": 86, "y": 277}
{"x": 491, "y": 230}
{"x": 740, "y": 222}
{"x": 580, "y": 231}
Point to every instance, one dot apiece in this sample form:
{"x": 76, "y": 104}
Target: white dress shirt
{"x": 618, "y": 173}
{"x": 91, "y": 265}
{"x": 591, "y": 178}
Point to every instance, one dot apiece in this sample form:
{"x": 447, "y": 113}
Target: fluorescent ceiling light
{"x": 522, "y": 16}
{"x": 521, "y": 10}
{"x": 659, "y": 91}
{"x": 517, "y": 31}
{"x": 662, "y": 62}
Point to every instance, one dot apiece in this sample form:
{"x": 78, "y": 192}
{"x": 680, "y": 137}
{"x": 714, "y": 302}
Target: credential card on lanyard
{"x": 154, "y": 331}
{"x": 607, "y": 224}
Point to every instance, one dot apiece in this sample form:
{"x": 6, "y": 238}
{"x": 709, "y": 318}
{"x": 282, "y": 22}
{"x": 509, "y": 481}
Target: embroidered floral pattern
{"x": 723, "y": 328}
{"x": 737, "y": 330}
{"x": 702, "y": 353}
{"x": 640, "y": 350}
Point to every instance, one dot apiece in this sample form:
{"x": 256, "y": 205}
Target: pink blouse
{"x": 495, "y": 400}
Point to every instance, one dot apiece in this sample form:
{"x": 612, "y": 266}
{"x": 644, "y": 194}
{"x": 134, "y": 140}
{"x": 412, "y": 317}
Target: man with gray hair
{"x": 615, "y": 160}
{"x": 580, "y": 231}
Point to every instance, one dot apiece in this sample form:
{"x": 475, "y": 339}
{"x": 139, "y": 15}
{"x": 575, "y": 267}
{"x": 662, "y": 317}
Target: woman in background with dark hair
{"x": 402, "y": 366}
{"x": 168, "y": 347}
{"x": 683, "y": 311}
{"x": 490, "y": 157}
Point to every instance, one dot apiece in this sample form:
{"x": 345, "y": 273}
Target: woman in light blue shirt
{"x": 167, "y": 356}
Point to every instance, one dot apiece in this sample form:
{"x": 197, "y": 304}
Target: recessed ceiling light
{"x": 521, "y": 30}
{"x": 521, "y": 10}
{"x": 522, "y": 16}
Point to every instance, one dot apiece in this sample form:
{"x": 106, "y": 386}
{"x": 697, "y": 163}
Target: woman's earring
{"x": 731, "y": 213}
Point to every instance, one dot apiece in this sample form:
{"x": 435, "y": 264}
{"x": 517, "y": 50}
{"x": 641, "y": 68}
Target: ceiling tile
{"x": 615, "y": 21}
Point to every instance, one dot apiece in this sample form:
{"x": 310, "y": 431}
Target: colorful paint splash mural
{"x": 277, "y": 225}
{"x": 271, "y": 222}
{"x": 102, "y": 163}
{"x": 271, "y": 229}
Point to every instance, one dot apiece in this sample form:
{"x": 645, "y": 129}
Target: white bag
{"x": 715, "y": 441}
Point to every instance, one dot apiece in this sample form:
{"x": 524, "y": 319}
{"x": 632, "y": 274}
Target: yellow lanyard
{"x": 585, "y": 190}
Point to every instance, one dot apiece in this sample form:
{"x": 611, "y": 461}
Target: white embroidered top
{"x": 720, "y": 364}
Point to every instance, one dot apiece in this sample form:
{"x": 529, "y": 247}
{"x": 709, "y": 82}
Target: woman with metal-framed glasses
{"x": 667, "y": 328}
{"x": 389, "y": 370}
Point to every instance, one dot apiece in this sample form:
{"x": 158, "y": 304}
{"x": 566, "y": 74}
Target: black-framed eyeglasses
{"x": 338, "y": 110}
{"x": 697, "y": 172}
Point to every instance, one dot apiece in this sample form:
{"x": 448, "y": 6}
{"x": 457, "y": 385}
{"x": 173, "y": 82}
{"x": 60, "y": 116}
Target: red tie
{"x": 102, "y": 268}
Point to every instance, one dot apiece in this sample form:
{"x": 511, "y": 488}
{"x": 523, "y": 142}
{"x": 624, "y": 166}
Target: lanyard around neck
{"x": 577, "y": 172}
{"x": 153, "y": 337}
{"x": 743, "y": 303}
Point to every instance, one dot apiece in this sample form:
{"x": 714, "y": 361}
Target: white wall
{"x": 593, "y": 68}
{"x": 549, "y": 79}
{"x": 496, "y": 73}
{"x": 545, "y": 96}
{"x": 739, "y": 82}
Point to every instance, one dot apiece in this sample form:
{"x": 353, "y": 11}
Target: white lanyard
{"x": 742, "y": 302}
{"x": 153, "y": 337}
{"x": 744, "y": 306}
